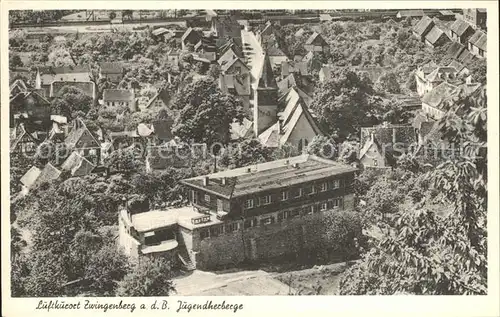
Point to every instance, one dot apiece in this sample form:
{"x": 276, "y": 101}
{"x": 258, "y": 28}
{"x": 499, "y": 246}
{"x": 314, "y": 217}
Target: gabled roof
{"x": 18, "y": 86}
{"x": 423, "y": 26}
{"x": 314, "y": 37}
{"x": 241, "y": 130}
{"x": 270, "y": 175}
{"x": 77, "y": 165}
{"x": 117, "y": 95}
{"x": 234, "y": 46}
{"x": 434, "y": 35}
{"x": 436, "y": 96}
{"x": 160, "y": 31}
{"x": 455, "y": 49}
{"x": 159, "y": 96}
{"x": 464, "y": 56}
{"x": 457, "y": 65}
{"x": 446, "y": 13}
{"x": 21, "y": 133}
{"x": 271, "y": 136}
{"x": 48, "y": 173}
{"x": 300, "y": 32}
{"x": 30, "y": 177}
{"x": 228, "y": 59}
{"x": 479, "y": 39}
{"x": 77, "y": 132}
{"x": 441, "y": 73}
{"x": 188, "y": 32}
{"x": 238, "y": 84}
{"x": 387, "y": 134}
{"x": 275, "y": 51}
{"x": 286, "y": 83}
{"x": 288, "y": 67}
{"x": 64, "y": 73}
{"x": 459, "y": 27}
{"x": 111, "y": 67}
{"x": 266, "y": 76}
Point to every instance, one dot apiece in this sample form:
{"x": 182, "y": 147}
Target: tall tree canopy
{"x": 205, "y": 113}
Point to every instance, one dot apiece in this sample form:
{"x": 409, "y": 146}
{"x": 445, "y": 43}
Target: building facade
{"x": 252, "y": 213}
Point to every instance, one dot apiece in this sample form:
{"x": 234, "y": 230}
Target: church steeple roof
{"x": 266, "y": 78}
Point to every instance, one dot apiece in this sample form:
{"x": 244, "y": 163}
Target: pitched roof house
{"x": 477, "y": 44}
{"x": 190, "y": 37}
{"x": 113, "y": 71}
{"x": 380, "y": 145}
{"x": 29, "y": 179}
{"x": 316, "y": 43}
{"x": 461, "y": 31}
{"x": 46, "y": 75}
{"x": 80, "y": 139}
{"x": 31, "y": 107}
{"x": 423, "y": 27}
{"x": 77, "y": 165}
{"x": 238, "y": 85}
{"x": 119, "y": 97}
{"x": 436, "y": 37}
{"x": 230, "y": 63}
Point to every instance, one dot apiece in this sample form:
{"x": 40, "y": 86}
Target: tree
{"x": 124, "y": 160}
{"x": 149, "y": 277}
{"x": 15, "y": 60}
{"x": 105, "y": 268}
{"x": 205, "y": 113}
{"x": 343, "y": 102}
{"x": 247, "y": 152}
{"x": 70, "y": 101}
{"x": 323, "y": 146}
{"x": 426, "y": 250}
{"x": 388, "y": 83}
{"x": 112, "y": 15}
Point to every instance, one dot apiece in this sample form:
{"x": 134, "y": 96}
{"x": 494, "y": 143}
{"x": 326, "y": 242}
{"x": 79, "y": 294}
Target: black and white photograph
{"x": 247, "y": 152}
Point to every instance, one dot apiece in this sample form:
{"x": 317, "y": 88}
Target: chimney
{"x": 287, "y": 162}
{"x": 249, "y": 170}
{"x": 295, "y": 165}
{"x": 224, "y": 181}
{"x": 393, "y": 136}
{"x": 468, "y": 80}
{"x": 205, "y": 181}
{"x": 371, "y": 137}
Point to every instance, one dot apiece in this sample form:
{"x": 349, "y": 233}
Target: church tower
{"x": 265, "y": 105}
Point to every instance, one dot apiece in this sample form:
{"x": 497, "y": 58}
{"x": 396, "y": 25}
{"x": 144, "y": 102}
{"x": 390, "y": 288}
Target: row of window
{"x": 299, "y": 192}
{"x": 215, "y": 231}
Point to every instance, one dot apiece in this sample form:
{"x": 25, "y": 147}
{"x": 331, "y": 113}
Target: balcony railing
{"x": 200, "y": 219}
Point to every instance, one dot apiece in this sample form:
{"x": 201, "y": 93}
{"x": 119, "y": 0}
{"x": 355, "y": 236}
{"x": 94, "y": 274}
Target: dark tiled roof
{"x": 271, "y": 175}
{"x": 423, "y": 26}
{"x": 479, "y": 40}
{"x": 464, "y": 56}
{"x": 455, "y": 49}
{"x": 163, "y": 129}
{"x": 404, "y": 134}
{"x": 118, "y": 95}
{"x": 111, "y": 67}
{"x": 460, "y": 27}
